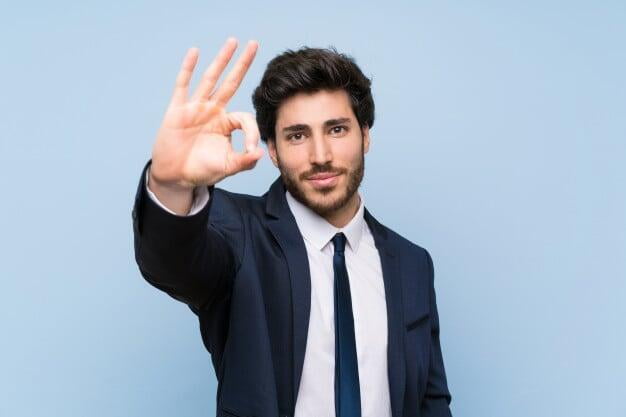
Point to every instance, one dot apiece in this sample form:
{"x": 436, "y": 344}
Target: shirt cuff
{"x": 200, "y": 198}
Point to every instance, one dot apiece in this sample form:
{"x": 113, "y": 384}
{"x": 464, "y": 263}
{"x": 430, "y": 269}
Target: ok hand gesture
{"x": 193, "y": 145}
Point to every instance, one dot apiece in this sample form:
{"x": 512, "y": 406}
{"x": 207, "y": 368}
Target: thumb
{"x": 246, "y": 160}
{"x": 247, "y": 123}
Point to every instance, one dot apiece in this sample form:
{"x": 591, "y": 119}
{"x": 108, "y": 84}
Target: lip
{"x": 323, "y": 180}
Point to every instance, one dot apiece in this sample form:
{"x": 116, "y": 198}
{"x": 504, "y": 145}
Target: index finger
{"x": 235, "y": 76}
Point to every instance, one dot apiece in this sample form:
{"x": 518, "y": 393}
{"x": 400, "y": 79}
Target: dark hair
{"x": 310, "y": 70}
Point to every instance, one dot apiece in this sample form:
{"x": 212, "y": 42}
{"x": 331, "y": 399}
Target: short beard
{"x": 355, "y": 177}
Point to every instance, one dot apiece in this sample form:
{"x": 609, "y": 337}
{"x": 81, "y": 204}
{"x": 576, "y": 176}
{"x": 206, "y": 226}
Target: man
{"x": 308, "y": 305}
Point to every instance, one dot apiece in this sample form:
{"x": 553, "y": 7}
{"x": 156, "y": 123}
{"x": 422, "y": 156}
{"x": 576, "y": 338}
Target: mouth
{"x": 323, "y": 180}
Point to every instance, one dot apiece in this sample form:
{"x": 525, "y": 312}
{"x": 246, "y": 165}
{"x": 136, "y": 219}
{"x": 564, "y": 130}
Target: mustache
{"x": 322, "y": 169}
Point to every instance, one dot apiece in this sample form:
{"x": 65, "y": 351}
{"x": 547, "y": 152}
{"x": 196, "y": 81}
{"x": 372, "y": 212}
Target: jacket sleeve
{"x": 436, "y": 402}
{"x": 184, "y": 256}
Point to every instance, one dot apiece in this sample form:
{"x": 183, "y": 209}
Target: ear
{"x": 366, "y": 138}
{"x": 271, "y": 146}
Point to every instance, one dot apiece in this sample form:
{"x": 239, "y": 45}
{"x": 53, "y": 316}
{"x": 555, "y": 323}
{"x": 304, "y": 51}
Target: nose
{"x": 320, "y": 152}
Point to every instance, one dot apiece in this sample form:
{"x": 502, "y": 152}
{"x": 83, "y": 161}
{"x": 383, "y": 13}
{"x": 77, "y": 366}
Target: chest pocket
{"x": 421, "y": 320}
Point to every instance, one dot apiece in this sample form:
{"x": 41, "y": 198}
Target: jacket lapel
{"x": 283, "y": 227}
{"x": 395, "y": 322}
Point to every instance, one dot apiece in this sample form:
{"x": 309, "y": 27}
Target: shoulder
{"x": 229, "y": 215}
{"x": 412, "y": 257}
{"x": 407, "y": 246}
{"x": 231, "y": 203}
{"x": 399, "y": 245}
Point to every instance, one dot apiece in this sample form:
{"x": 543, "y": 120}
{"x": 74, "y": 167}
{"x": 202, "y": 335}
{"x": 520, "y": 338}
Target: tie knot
{"x": 339, "y": 241}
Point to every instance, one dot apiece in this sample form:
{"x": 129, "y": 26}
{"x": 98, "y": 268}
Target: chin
{"x": 323, "y": 201}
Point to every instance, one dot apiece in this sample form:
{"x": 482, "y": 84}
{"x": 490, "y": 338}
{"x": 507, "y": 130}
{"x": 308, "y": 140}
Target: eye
{"x": 294, "y": 137}
{"x": 338, "y": 130}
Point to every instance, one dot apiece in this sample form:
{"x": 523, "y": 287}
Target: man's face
{"x": 319, "y": 149}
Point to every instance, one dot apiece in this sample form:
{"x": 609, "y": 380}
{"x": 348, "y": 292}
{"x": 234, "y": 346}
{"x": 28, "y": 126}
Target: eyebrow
{"x": 331, "y": 122}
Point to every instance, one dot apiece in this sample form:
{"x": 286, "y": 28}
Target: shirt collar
{"x": 317, "y": 231}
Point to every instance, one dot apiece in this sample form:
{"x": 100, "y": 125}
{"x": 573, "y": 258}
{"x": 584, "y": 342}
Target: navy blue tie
{"x": 347, "y": 394}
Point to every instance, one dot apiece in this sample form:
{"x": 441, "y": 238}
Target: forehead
{"x": 314, "y": 108}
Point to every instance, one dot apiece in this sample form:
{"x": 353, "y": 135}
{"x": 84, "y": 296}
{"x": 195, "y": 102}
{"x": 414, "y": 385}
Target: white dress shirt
{"x": 316, "y": 396}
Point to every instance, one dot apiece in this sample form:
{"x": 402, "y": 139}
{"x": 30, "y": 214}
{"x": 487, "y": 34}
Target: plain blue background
{"x": 499, "y": 145}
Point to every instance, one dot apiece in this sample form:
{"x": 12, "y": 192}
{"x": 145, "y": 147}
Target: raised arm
{"x": 188, "y": 256}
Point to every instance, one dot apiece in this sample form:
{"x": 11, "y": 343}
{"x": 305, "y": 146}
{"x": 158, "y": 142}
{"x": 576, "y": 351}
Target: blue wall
{"x": 499, "y": 145}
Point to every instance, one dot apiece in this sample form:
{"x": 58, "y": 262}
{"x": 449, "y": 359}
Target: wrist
{"x": 175, "y": 197}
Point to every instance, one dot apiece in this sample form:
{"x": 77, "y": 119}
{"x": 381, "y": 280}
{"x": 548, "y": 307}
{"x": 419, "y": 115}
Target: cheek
{"x": 348, "y": 155}
{"x": 294, "y": 159}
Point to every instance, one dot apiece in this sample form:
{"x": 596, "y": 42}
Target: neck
{"x": 340, "y": 218}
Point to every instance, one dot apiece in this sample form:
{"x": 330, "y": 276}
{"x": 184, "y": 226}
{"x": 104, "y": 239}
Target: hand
{"x": 193, "y": 145}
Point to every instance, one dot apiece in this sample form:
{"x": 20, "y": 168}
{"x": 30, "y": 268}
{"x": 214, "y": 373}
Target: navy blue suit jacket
{"x": 240, "y": 264}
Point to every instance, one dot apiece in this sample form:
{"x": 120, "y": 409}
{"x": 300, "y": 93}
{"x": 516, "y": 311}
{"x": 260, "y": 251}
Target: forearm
{"x": 181, "y": 255}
